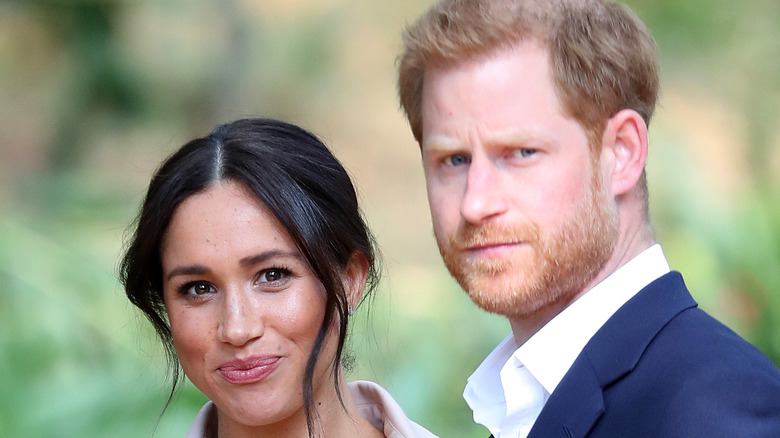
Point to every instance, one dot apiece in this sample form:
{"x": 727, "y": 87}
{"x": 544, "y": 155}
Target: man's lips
{"x": 492, "y": 248}
{"x": 249, "y": 370}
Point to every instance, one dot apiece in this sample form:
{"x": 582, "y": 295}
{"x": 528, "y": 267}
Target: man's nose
{"x": 484, "y": 194}
{"x": 241, "y": 319}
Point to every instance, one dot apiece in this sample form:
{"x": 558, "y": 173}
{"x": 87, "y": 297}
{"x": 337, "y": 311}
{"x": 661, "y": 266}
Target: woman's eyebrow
{"x": 188, "y": 270}
{"x": 244, "y": 262}
{"x": 263, "y": 256}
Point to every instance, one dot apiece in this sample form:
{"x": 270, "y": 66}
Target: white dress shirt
{"x": 509, "y": 389}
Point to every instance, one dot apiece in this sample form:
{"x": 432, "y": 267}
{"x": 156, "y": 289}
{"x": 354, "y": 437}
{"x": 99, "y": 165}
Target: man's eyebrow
{"x": 441, "y": 143}
{"x": 519, "y": 137}
{"x": 505, "y": 137}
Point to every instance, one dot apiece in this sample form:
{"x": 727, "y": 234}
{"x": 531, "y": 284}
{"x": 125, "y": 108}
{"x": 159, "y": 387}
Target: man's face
{"x": 519, "y": 210}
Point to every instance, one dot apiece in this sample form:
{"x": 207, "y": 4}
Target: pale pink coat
{"x": 373, "y": 402}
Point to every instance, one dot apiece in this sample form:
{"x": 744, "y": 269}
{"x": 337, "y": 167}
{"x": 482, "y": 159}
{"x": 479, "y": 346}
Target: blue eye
{"x": 456, "y": 160}
{"x": 525, "y": 152}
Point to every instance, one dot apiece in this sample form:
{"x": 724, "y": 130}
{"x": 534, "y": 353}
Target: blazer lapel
{"x": 578, "y": 402}
{"x": 574, "y": 407}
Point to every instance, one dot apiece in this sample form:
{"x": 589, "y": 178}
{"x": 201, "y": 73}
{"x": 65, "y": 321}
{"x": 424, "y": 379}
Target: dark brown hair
{"x": 294, "y": 175}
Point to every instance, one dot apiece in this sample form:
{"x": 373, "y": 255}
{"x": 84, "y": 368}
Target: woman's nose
{"x": 241, "y": 319}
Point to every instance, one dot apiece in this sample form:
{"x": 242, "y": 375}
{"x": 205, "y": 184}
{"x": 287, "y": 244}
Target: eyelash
{"x": 275, "y": 269}
{"x": 526, "y": 152}
{"x": 517, "y": 152}
{"x": 187, "y": 289}
{"x": 448, "y": 160}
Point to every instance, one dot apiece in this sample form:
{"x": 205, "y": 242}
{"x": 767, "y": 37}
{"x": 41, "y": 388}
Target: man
{"x": 532, "y": 122}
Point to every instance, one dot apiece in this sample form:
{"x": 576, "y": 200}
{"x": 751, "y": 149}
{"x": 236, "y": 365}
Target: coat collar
{"x": 612, "y": 353}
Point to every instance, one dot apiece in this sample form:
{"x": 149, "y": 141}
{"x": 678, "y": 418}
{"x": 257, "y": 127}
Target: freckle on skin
{"x": 279, "y": 347}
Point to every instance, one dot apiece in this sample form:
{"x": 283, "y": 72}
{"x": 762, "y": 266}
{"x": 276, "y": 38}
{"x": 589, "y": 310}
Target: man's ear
{"x": 625, "y": 140}
{"x": 354, "y": 278}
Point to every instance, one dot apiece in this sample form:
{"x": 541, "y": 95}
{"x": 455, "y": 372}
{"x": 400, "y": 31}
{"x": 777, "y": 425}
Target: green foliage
{"x": 67, "y": 354}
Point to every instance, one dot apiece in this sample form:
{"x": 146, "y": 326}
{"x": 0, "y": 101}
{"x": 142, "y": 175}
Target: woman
{"x": 248, "y": 257}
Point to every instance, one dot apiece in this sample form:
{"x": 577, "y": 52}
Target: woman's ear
{"x": 354, "y": 278}
{"x": 625, "y": 140}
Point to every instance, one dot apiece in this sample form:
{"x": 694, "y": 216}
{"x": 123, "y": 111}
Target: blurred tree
{"x": 97, "y": 84}
{"x": 736, "y": 55}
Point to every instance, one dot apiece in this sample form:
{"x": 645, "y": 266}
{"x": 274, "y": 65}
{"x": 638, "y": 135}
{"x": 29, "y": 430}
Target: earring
{"x": 351, "y": 311}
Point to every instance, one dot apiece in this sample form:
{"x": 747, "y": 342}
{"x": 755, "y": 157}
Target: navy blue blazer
{"x": 662, "y": 367}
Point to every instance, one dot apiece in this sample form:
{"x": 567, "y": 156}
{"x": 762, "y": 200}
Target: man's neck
{"x": 525, "y": 326}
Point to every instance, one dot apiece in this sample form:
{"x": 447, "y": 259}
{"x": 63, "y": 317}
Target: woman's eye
{"x": 197, "y": 289}
{"x": 274, "y": 275}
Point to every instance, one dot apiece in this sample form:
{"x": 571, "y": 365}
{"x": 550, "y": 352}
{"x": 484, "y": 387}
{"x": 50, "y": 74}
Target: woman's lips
{"x": 248, "y": 370}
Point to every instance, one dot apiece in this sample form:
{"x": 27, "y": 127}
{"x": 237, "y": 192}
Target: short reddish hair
{"x": 602, "y": 57}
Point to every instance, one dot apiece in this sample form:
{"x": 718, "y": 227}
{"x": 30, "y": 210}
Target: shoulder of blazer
{"x": 615, "y": 350}
{"x": 577, "y": 403}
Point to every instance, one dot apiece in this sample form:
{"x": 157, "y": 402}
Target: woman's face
{"x": 243, "y": 305}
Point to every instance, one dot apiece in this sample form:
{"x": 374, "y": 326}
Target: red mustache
{"x": 469, "y": 237}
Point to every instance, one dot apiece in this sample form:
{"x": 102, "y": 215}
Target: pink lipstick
{"x": 248, "y": 370}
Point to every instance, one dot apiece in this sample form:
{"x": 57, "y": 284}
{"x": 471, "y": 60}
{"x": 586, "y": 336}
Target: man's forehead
{"x": 441, "y": 64}
{"x": 499, "y": 68}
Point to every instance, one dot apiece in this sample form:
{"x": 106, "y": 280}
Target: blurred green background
{"x": 94, "y": 94}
